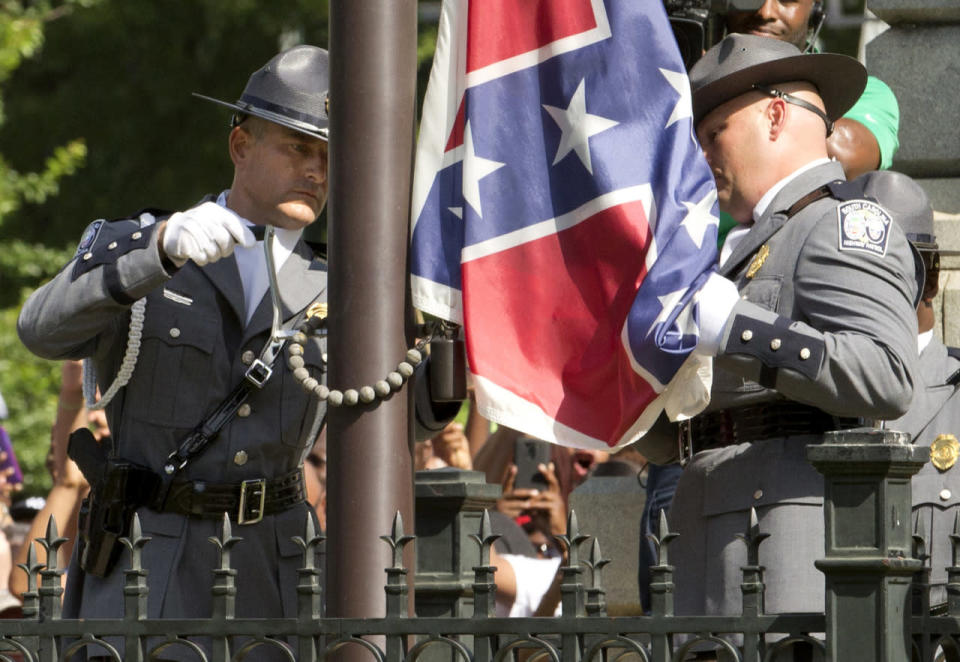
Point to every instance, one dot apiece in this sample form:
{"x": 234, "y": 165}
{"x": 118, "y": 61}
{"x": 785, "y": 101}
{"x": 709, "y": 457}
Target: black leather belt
{"x": 247, "y": 501}
{"x": 772, "y": 420}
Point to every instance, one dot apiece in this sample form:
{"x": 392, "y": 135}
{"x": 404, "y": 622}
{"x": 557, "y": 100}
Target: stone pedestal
{"x": 449, "y": 506}
{"x": 609, "y": 508}
{"x": 867, "y": 534}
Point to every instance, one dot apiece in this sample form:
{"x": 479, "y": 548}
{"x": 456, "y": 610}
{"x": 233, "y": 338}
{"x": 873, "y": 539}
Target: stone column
{"x": 917, "y": 57}
{"x": 449, "y": 509}
{"x": 867, "y": 534}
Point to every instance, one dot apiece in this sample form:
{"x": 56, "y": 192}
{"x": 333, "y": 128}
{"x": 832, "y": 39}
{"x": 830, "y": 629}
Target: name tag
{"x": 179, "y": 298}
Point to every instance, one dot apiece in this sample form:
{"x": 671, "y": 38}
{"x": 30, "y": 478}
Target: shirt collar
{"x": 285, "y": 237}
{"x": 768, "y": 197}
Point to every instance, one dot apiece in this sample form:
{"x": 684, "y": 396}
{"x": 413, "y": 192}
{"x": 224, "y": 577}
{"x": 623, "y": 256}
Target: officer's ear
{"x": 775, "y": 115}
{"x": 240, "y": 141}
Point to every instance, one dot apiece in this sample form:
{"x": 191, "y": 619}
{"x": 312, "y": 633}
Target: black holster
{"x": 117, "y": 489}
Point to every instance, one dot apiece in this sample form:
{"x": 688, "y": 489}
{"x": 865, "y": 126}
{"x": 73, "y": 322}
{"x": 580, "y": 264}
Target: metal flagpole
{"x": 372, "y": 115}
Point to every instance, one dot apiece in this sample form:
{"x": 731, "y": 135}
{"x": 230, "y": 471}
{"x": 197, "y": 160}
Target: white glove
{"x": 717, "y": 298}
{"x": 204, "y": 234}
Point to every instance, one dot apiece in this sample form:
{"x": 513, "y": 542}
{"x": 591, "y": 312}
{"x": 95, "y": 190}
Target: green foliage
{"x": 21, "y": 37}
{"x": 29, "y": 384}
{"x": 23, "y": 266}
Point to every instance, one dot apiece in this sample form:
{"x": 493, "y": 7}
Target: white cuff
{"x": 716, "y": 300}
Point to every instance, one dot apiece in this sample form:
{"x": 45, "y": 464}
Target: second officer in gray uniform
{"x": 823, "y": 335}
{"x": 934, "y": 416}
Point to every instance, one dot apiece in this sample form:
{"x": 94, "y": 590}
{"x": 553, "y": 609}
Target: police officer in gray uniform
{"x": 823, "y": 334}
{"x": 204, "y": 365}
{"x": 934, "y": 416}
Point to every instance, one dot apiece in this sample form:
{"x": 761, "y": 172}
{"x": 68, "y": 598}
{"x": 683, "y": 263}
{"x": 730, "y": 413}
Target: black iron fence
{"x": 877, "y": 606}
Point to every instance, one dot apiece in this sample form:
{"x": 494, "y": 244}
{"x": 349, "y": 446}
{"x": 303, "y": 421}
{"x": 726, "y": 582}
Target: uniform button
{"x": 746, "y": 335}
{"x": 87, "y": 256}
{"x": 136, "y": 235}
{"x": 804, "y": 354}
{"x": 758, "y": 494}
{"x": 174, "y": 332}
{"x": 945, "y": 495}
{"x": 240, "y": 458}
{"x": 111, "y": 245}
{"x": 244, "y": 410}
{"x": 775, "y": 344}
{"x": 247, "y": 357}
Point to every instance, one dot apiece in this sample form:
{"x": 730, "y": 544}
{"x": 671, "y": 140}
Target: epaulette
{"x": 90, "y": 254}
{"x": 851, "y": 189}
{"x": 156, "y": 212}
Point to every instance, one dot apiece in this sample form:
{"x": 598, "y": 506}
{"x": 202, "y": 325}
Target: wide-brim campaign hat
{"x": 291, "y": 89}
{"x": 909, "y": 205}
{"x": 741, "y": 61}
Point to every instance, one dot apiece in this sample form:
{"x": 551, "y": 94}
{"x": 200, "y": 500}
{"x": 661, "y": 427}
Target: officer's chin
{"x": 297, "y": 215}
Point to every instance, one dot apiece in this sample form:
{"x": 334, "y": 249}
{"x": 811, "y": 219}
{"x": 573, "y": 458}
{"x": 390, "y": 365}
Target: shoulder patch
{"x": 89, "y": 236}
{"x": 863, "y": 226}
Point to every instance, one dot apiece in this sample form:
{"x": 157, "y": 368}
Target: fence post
{"x": 396, "y": 588}
{"x": 867, "y": 527}
{"x": 309, "y": 591}
{"x": 449, "y": 507}
{"x": 484, "y": 589}
{"x": 661, "y": 590}
{"x": 135, "y": 589}
{"x": 50, "y": 590}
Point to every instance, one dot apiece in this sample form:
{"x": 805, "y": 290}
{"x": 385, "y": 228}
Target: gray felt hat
{"x": 291, "y": 89}
{"x": 741, "y": 61}
{"x": 909, "y": 205}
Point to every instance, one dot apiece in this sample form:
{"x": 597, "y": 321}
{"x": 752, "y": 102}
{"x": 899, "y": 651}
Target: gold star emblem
{"x": 317, "y": 309}
{"x": 944, "y": 451}
{"x": 758, "y": 261}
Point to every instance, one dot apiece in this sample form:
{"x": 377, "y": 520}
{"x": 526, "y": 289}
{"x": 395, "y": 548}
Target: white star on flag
{"x": 684, "y": 107}
{"x": 684, "y": 321}
{"x": 577, "y": 126}
{"x": 475, "y": 168}
{"x": 699, "y": 218}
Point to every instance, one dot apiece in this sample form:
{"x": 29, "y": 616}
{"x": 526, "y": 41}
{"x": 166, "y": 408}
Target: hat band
{"x": 921, "y": 238}
{"x": 277, "y": 109}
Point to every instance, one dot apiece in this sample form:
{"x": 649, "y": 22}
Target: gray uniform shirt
{"x": 820, "y": 323}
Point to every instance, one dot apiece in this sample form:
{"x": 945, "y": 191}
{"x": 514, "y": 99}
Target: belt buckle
{"x": 255, "y": 490}
{"x": 684, "y": 442}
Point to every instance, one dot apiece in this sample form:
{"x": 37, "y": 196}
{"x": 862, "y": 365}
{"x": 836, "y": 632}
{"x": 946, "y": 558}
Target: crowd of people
{"x": 819, "y": 318}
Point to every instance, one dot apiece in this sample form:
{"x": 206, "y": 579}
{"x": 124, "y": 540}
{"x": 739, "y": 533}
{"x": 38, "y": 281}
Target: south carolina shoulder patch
{"x": 89, "y": 236}
{"x": 863, "y": 226}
